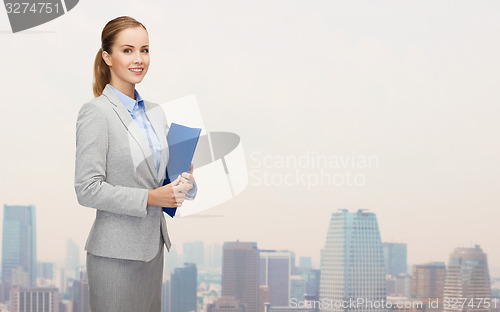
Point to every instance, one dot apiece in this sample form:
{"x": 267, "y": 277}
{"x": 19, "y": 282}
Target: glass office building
{"x": 352, "y": 264}
{"x": 19, "y": 242}
{"x": 395, "y": 258}
{"x": 468, "y": 279}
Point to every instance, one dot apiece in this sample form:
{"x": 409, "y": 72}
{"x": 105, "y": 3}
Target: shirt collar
{"x": 127, "y": 101}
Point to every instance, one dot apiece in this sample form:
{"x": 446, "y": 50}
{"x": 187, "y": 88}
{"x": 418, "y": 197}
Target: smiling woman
{"x": 125, "y": 50}
{"x": 121, "y": 157}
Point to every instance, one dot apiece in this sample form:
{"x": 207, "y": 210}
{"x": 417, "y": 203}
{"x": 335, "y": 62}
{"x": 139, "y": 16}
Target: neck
{"x": 124, "y": 87}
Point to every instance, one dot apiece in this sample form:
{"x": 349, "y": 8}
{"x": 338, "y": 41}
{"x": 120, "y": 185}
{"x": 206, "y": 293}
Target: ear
{"x": 107, "y": 58}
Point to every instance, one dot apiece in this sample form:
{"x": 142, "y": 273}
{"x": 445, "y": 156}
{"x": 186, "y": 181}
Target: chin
{"x": 136, "y": 80}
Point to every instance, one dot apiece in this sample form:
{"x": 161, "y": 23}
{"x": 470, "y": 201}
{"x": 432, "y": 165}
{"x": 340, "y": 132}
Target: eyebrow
{"x": 128, "y": 45}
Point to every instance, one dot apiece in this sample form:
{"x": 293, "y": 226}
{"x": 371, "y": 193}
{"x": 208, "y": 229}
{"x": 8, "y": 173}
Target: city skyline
{"x": 62, "y": 262}
{"x": 355, "y": 263}
{"x": 411, "y": 85}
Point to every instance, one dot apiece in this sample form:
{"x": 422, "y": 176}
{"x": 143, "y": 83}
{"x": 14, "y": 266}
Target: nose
{"x": 138, "y": 58}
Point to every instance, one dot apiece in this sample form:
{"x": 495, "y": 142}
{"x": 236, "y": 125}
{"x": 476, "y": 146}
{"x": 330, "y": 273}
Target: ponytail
{"x": 102, "y": 74}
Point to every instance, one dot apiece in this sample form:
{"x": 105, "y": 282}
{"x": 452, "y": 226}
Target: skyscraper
{"x": 194, "y": 253}
{"x": 275, "y": 269}
{"x": 428, "y": 280}
{"x": 72, "y": 261}
{"x": 395, "y": 258}
{"x": 171, "y": 262}
{"x": 43, "y": 299}
{"x": 45, "y": 270}
{"x": 183, "y": 282}
{"x": 166, "y": 297}
{"x": 80, "y": 293}
{"x": 19, "y": 242}
{"x": 311, "y": 278}
{"x": 305, "y": 262}
{"x": 240, "y": 273}
{"x": 467, "y": 276}
{"x": 214, "y": 255}
{"x": 352, "y": 262}
{"x": 225, "y": 304}
{"x": 297, "y": 288}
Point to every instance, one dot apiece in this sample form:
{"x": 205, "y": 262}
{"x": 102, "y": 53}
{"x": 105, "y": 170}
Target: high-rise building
{"x": 72, "y": 261}
{"x": 352, "y": 263}
{"x": 305, "y": 262}
{"x": 34, "y": 299}
{"x": 20, "y": 278}
{"x": 240, "y": 273}
{"x": 226, "y": 304}
{"x": 3, "y": 293}
{"x": 19, "y": 242}
{"x": 467, "y": 276}
{"x": 395, "y": 258}
{"x": 45, "y": 270}
{"x": 428, "y": 280}
{"x": 274, "y": 271}
{"x": 81, "y": 293}
{"x": 398, "y": 286}
{"x": 183, "y": 286}
{"x": 312, "y": 279}
{"x": 171, "y": 262}
{"x": 402, "y": 285}
{"x": 297, "y": 288}
{"x": 263, "y": 297}
{"x": 214, "y": 255}
{"x": 166, "y": 298}
{"x": 194, "y": 253}
{"x": 60, "y": 280}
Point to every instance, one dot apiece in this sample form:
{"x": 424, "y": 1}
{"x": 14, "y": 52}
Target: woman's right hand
{"x": 170, "y": 195}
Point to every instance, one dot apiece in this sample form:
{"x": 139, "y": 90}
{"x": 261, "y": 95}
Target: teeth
{"x": 136, "y": 70}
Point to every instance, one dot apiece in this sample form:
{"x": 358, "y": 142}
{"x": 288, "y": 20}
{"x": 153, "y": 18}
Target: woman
{"x": 121, "y": 156}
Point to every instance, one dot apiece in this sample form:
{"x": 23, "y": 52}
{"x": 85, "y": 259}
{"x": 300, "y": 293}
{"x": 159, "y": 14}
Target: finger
{"x": 176, "y": 181}
{"x": 191, "y": 168}
{"x": 179, "y": 199}
{"x": 188, "y": 176}
{"x": 185, "y": 187}
{"x": 180, "y": 195}
{"x": 184, "y": 180}
{"x": 179, "y": 189}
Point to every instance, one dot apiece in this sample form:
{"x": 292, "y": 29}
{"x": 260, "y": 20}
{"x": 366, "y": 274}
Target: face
{"x": 129, "y": 57}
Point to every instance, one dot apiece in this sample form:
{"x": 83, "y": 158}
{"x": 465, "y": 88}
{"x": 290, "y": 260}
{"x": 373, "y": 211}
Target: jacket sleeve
{"x": 191, "y": 194}
{"x": 91, "y": 187}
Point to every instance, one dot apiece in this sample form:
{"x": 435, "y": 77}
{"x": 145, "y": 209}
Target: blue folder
{"x": 182, "y": 142}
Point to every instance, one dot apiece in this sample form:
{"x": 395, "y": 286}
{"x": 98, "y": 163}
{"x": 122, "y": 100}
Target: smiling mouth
{"x": 136, "y": 70}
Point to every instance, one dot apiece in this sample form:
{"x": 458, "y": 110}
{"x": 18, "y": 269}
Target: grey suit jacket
{"x": 114, "y": 170}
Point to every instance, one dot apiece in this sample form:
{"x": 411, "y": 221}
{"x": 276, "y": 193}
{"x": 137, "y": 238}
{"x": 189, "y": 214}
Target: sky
{"x": 398, "y": 97}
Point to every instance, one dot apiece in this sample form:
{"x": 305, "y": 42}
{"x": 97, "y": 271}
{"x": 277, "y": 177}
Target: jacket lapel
{"x": 132, "y": 128}
{"x": 153, "y": 112}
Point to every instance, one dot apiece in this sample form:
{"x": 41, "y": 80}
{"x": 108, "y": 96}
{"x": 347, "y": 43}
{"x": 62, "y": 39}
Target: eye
{"x": 126, "y": 50}
{"x": 145, "y": 50}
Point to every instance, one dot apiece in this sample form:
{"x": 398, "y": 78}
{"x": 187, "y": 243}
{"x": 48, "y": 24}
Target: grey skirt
{"x": 125, "y": 285}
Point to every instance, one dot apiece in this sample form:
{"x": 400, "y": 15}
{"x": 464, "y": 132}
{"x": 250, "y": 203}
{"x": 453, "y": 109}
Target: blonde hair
{"x": 102, "y": 73}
